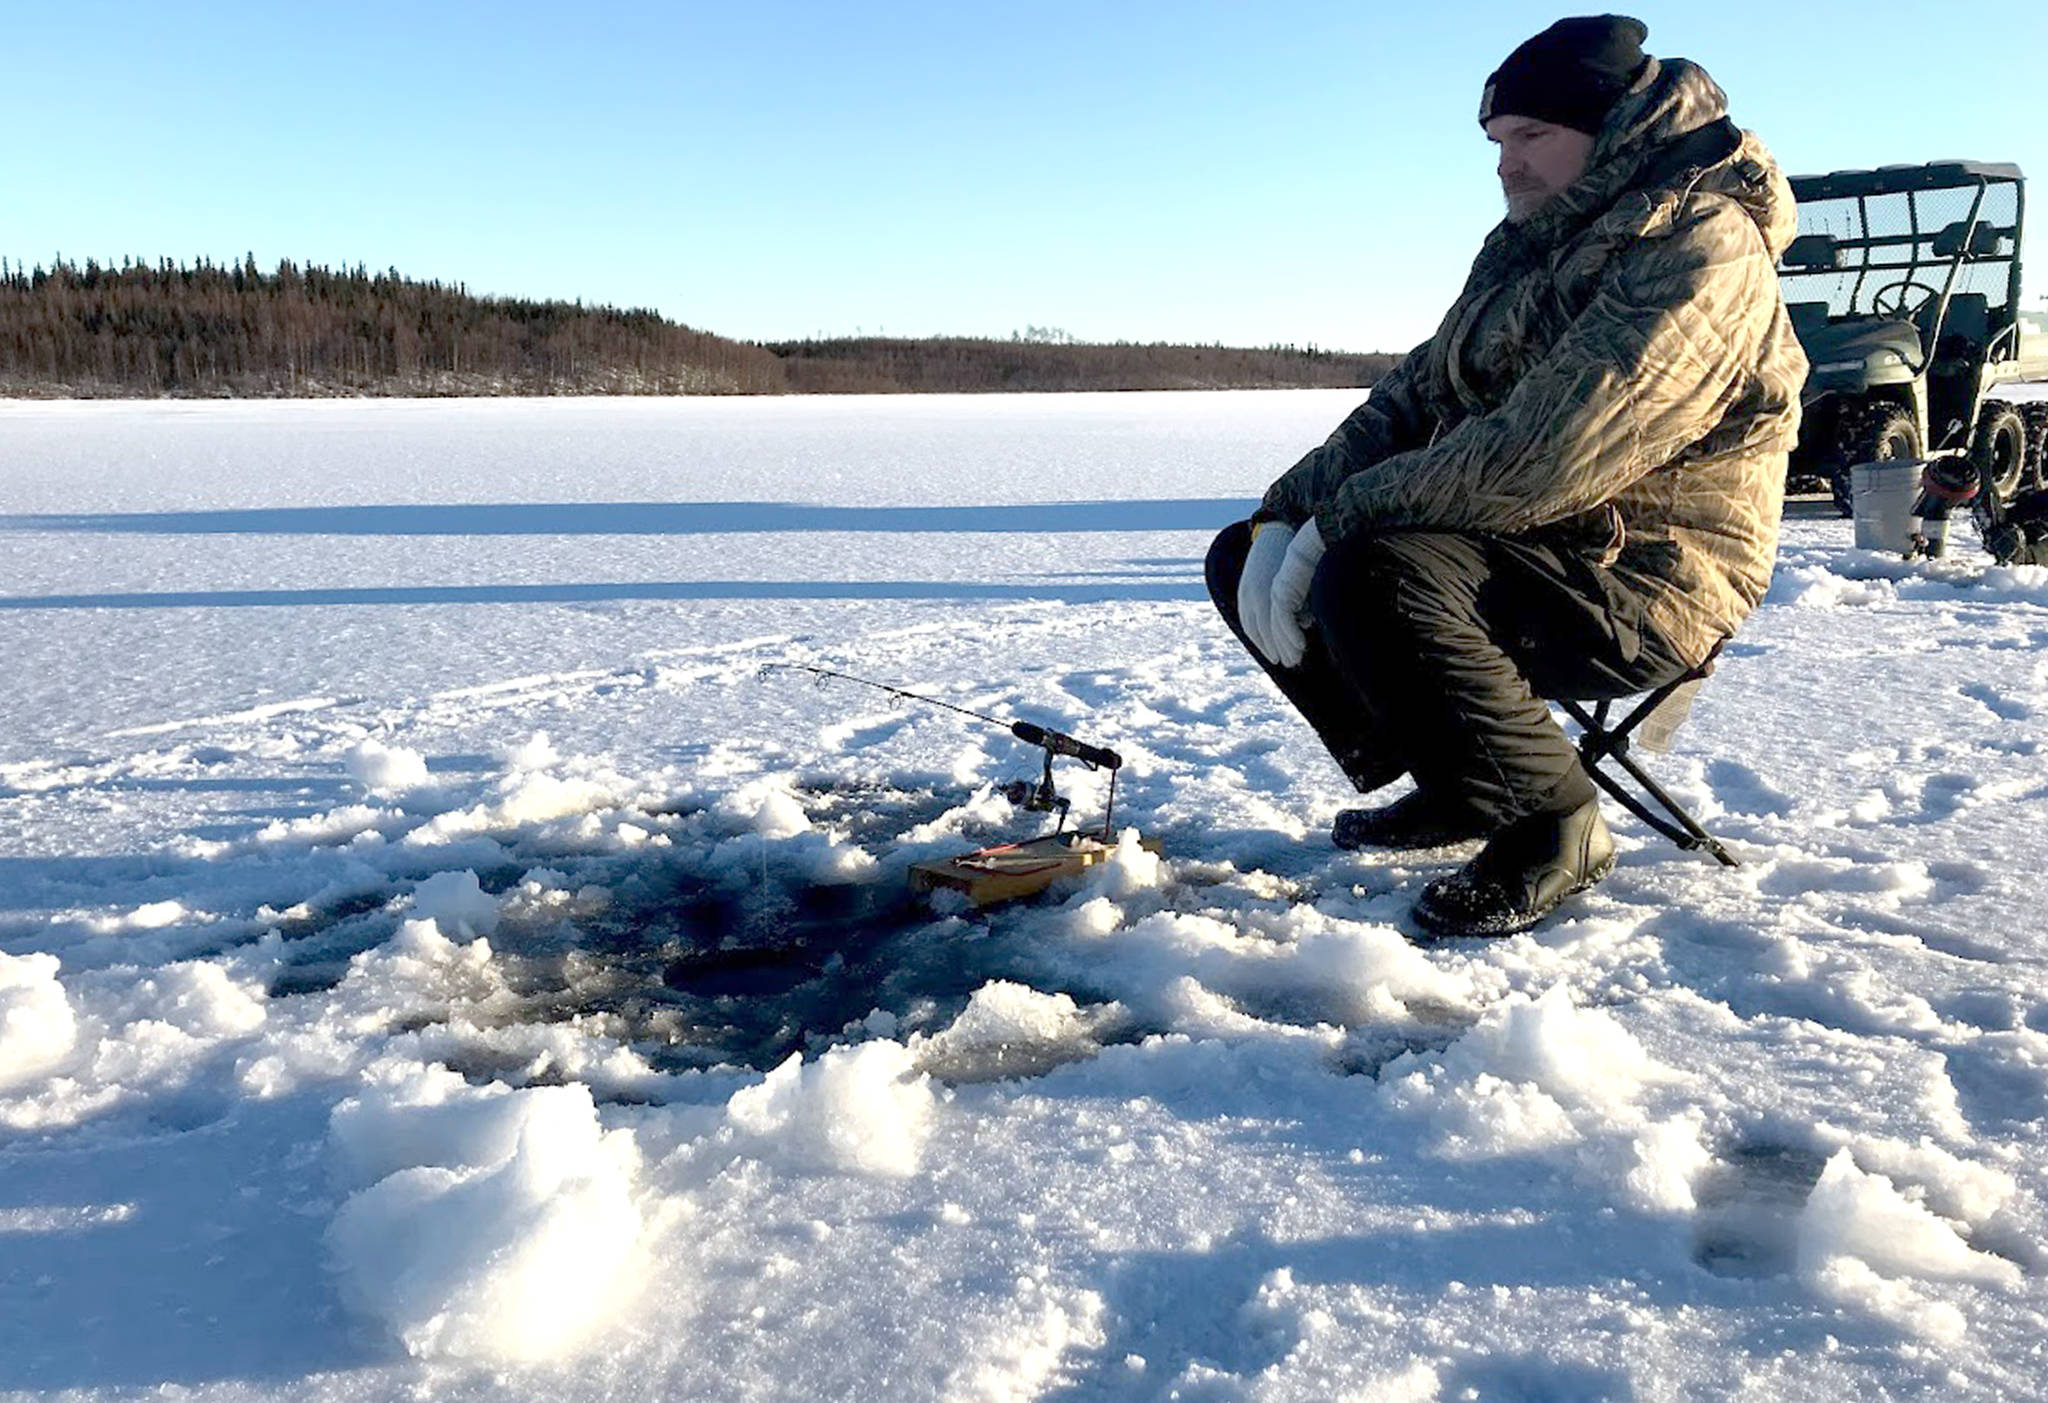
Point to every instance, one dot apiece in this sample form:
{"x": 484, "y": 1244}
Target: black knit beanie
{"x": 1571, "y": 74}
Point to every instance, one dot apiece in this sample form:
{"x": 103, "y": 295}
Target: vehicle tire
{"x": 2035, "y": 416}
{"x": 1999, "y": 449}
{"x": 1870, "y": 433}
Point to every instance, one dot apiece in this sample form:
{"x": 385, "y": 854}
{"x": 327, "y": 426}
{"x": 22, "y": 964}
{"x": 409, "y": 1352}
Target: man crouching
{"x": 1571, "y": 490}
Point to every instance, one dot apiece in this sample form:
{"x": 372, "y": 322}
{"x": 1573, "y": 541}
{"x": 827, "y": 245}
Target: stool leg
{"x": 1687, "y": 833}
{"x": 1596, "y": 744}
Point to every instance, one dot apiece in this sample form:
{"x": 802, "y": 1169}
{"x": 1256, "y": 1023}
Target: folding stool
{"x": 1650, "y": 724}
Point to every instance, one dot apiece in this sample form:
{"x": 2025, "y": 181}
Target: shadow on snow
{"x": 1162, "y": 589}
{"x": 651, "y": 519}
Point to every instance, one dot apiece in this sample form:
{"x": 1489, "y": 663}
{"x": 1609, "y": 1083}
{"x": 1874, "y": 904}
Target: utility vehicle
{"x": 1904, "y": 289}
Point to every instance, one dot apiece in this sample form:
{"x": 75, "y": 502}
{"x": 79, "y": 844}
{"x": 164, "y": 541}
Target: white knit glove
{"x": 1290, "y": 596}
{"x": 1255, "y": 586}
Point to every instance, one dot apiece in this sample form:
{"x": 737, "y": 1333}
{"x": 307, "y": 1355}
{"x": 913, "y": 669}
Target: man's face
{"x": 1537, "y": 159}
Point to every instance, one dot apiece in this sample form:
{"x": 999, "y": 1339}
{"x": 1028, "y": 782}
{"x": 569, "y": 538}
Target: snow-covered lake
{"x": 437, "y": 960}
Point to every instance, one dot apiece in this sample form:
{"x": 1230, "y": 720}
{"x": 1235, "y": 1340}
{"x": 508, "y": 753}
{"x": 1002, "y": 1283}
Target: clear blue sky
{"x": 1291, "y": 171}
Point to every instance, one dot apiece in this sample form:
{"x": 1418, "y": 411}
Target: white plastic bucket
{"x": 1883, "y": 496}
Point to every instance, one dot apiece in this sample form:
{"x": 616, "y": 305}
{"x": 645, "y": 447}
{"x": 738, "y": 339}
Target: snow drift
{"x": 496, "y": 1224}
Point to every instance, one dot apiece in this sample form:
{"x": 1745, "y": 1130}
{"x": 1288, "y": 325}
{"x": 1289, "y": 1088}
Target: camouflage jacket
{"x": 1619, "y": 375}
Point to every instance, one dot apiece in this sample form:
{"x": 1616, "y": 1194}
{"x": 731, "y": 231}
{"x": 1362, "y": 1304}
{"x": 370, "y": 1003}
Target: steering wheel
{"x": 1902, "y": 298}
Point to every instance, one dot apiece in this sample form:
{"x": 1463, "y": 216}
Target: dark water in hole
{"x": 697, "y": 967}
{"x": 697, "y": 961}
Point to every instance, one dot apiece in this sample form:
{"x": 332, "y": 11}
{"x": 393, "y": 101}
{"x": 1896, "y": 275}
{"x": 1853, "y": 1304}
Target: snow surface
{"x": 436, "y": 959}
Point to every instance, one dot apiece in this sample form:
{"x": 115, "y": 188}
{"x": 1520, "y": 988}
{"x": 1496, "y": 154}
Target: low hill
{"x": 869, "y": 365}
{"x": 166, "y": 329}
{"x": 234, "y": 330}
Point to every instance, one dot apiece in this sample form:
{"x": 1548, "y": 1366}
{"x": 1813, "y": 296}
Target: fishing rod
{"x": 1042, "y": 797}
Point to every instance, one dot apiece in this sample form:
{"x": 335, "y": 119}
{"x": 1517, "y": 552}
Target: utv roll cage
{"x": 1903, "y": 286}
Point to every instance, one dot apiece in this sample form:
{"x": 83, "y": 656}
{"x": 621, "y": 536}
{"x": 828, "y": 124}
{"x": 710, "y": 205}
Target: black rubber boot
{"x": 1521, "y": 875}
{"x": 1415, "y": 820}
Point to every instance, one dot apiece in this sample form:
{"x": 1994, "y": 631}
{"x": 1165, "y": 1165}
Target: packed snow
{"x": 444, "y": 952}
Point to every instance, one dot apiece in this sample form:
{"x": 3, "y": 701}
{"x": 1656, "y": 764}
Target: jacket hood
{"x": 1671, "y": 131}
{"x": 1670, "y": 98}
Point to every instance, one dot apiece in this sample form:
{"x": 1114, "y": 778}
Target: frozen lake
{"x": 180, "y": 557}
{"x": 436, "y": 961}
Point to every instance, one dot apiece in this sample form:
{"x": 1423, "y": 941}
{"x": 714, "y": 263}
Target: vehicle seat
{"x": 1967, "y": 327}
{"x": 1807, "y": 317}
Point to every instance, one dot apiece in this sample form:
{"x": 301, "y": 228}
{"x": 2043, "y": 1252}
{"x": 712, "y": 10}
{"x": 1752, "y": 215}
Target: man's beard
{"x": 1524, "y": 200}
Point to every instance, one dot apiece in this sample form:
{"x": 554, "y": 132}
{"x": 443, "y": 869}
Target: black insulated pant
{"x": 1430, "y": 651}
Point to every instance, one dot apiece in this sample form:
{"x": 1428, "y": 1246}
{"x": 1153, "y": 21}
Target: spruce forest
{"x": 234, "y": 330}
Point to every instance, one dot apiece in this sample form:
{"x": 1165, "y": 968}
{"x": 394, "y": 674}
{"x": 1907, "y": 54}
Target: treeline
{"x": 235, "y": 330}
{"x": 879, "y": 365}
{"x": 166, "y": 329}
